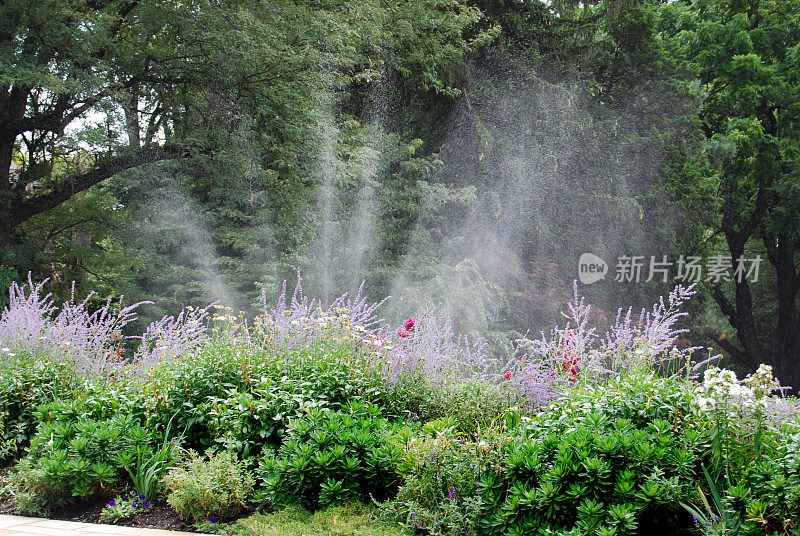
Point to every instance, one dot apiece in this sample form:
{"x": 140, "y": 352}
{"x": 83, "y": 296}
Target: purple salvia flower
{"x": 72, "y": 332}
{"x": 302, "y": 321}
{"x": 414, "y": 520}
{"x": 536, "y": 370}
{"x": 172, "y": 337}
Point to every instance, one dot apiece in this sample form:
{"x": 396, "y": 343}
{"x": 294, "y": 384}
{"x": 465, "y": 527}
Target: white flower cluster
{"x": 720, "y": 386}
{"x": 762, "y": 383}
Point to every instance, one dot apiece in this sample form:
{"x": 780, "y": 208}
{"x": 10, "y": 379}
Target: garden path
{"x": 30, "y": 526}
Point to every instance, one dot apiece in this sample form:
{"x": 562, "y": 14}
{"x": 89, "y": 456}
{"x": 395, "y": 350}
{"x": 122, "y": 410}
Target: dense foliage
{"x": 331, "y": 457}
{"x": 459, "y": 152}
{"x": 306, "y": 409}
{"x": 217, "y": 487}
{"x": 606, "y": 462}
{"x": 175, "y": 161}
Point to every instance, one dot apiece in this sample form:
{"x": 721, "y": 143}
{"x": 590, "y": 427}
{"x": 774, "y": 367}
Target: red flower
{"x": 570, "y": 366}
{"x": 402, "y": 334}
{"x": 409, "y": 325}
{"x": 507, "y": 375}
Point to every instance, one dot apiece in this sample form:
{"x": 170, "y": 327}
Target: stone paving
{"x": 22, "y": 526}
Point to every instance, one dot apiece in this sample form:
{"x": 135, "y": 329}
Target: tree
{"x": 747, "y": 56}
{"x": 63, "y": 60}
{"x": 90, "y": 89}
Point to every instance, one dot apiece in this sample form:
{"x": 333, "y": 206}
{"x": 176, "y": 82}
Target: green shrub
{"x": 247, "y": 422}
{"x": 80, "y": 456}
{"x": 332, "y": 456}
{"x": 34, "y": 494}
{"x": 335, "y": 373}
{"x": 613, "y": 460}
{"x": 25, "y": 383}
{"x": 440, "y": 469}
{"x": 776, "y": 481}
{"x": 766, "y": 500}
{"x": 325, "y": 376}
{"x": 178, "y": 391}
{"x": 73, "y": 455}
{"x": 475, "y": 405}
{"x": 345, "y": 520}
{"x": 218, "y": 487}
{"x": 93, "y": 401}
{"x": 243, "y": 399}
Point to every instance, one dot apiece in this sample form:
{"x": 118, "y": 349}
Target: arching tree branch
{"x": 103, "y": 170}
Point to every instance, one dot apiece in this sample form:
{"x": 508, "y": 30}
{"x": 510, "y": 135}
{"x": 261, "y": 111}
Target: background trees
{"x": 453, "y": 151}
{"x": 746, "y": 58}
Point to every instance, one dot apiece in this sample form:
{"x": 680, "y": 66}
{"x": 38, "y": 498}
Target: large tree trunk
{"x": 6, "y": 193}
{"x": 12, "y": 109}
{"x": 787, "y": 337}
{"x": 782, "y": 352}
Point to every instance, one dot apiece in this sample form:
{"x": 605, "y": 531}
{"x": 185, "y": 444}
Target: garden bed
{"x": 338, "y": 423}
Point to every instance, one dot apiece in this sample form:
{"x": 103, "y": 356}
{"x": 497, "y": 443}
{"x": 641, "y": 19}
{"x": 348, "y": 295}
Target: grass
{"x": 350, "y": 519}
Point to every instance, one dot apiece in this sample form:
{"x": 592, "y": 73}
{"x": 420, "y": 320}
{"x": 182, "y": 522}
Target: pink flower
{"x": 570, "y": 366}
{"x": 507, "y": 375}
{"x": 409, "y": 325}
{"x": 403, "y": 334}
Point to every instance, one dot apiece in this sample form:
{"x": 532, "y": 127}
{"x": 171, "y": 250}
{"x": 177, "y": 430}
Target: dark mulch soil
{"x": 7, "y": 506}
{"x": 160, "y": 516}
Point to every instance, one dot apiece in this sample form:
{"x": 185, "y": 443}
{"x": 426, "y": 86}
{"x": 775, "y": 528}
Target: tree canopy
{"x": 455, "y": 151}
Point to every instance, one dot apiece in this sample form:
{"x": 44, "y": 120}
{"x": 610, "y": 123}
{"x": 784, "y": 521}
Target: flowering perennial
{"x": 547, "y": 367}
{"x": 425, "y": 347}
{"x": 88, "y": 339}
{"x": 720, "y": 387}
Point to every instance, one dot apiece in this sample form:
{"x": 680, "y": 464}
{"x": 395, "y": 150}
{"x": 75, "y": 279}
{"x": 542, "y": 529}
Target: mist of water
{"x": 533, "y": 176}
{"x": 326, "y": 170}
{"x": 347, "y": 199}
{"x": 550, "y": 184}
{"x": 179, "y": 212}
